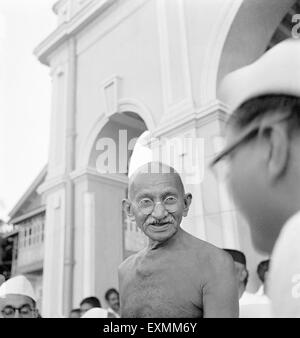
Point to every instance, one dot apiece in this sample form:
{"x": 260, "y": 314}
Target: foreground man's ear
{"x": 187, "y": 202}
{"x": 126, "y": 204}
{"x": 278, "y": 151}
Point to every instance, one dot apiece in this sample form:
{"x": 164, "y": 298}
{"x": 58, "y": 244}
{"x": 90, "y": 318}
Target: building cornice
{"x": 28, "y": 215}
{"x": 52, "y": 184}
{"x": 210, "y": 112}
{"x": 34, "y": 186}
{"x": 70, "y": 28}
{"x": 90, "y": 173}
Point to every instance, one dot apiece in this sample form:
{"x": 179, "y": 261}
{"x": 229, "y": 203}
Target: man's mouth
{"x": 163, "y": 226}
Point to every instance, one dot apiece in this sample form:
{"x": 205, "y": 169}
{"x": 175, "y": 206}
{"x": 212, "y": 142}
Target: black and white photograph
{"x": 149, "y": 161}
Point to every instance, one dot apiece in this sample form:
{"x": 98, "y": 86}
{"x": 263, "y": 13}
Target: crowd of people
{"x": 18, "y": 300}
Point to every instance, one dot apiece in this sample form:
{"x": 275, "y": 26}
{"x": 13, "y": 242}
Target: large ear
{"x": 278, "y": 154}
{"x": 187, "y": 202}
{"x": 127, "y": 207}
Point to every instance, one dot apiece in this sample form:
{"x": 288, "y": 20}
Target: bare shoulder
{"x": 215, "y": 258}
{"x": 129, "y": 263}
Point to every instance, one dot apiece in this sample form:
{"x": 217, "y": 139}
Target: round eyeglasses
{"x": 147, "y": 205}
{"x": 10, "y": 311}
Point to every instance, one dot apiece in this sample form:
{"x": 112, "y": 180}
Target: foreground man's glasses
{"x": 23, "y": 311}
{"x": 146, "y": 205}
{"x": 222, "y": 159}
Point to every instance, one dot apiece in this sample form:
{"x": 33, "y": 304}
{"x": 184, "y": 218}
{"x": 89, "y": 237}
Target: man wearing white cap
{"x": 263, "y": 153}
{"x": 17, "y": 298}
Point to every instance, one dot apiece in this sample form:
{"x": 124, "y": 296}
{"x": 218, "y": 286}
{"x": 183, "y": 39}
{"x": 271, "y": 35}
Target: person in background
{"x": 242, "y": 273}
{"x": 75, "y": 313}
{"x": 18, "y": 299}
{"x": 5, "y": 272}
{"x": 251, "y": 305}
{"x": 89, "y": 303}
{"x": 262, "y": 272}
{"x": 264, "y": 99}
{"x": 113, "y": 301}
{"x": 2, "y": 279}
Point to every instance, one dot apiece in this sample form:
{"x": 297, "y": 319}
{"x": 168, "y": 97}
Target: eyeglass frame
{"x": 249, "y": 133}
{"x": 159, "y": 202}
{"x": 31, "y": 310}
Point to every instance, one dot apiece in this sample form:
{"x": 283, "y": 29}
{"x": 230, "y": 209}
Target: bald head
{"x": 152, "y": 173}
{"x": 157, "y": 201}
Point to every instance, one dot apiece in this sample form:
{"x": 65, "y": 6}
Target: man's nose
{"x": 159, "y": 211}
{"x": 17, "y": 315}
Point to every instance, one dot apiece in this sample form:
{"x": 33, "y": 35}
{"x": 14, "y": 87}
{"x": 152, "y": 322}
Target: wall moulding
{"x": 111, "y": 92}
{"x": 92, "y": 174}
{"x": 193, "y": 118}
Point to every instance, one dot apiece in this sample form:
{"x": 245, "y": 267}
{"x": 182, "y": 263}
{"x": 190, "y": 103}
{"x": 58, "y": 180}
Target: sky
{"x": 25, "y": 96}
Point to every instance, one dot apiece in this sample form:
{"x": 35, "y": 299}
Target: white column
{"x": 89, "y": 245}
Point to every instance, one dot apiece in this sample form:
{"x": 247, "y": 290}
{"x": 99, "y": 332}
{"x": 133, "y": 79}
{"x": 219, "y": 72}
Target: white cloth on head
{"x": 141, "y": 154}
{"x": 284, "y": 275}
{"x": 275, "y": 72}
{"x": 96, "y": 312}
{"x": 18, "y": 285}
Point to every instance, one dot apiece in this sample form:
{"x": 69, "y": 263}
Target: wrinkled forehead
{"x": 16, "y": 301}
{"x": 155, "y": 184}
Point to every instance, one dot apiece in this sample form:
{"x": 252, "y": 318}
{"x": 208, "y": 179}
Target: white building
{"x": 138, "y": 65}
{"x": 27, "y": 220}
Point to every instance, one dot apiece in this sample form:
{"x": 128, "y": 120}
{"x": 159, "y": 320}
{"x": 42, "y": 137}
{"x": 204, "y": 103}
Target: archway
{"x": 104, "y": 237}
{"x": 250, "y": 33}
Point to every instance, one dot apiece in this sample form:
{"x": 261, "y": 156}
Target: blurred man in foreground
{"x": 265, "y": 127}
{"x": 17, "y": 298}
{"x": 176, "y": 275}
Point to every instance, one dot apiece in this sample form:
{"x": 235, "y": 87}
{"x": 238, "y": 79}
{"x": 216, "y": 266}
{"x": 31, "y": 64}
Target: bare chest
{"x": 165, "y": 287}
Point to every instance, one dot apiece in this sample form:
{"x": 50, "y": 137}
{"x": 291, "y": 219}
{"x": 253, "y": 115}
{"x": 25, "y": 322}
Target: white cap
{"x": 275, "y": 72}
{"x": 96, "y": 312}
{"x": 18, "y": 285}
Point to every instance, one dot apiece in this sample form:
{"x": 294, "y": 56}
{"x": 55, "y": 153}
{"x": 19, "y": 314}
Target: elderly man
{"x": 176, "y": 275}
{"x": 17, "y": 298}
{"x": 264, "y": 133}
